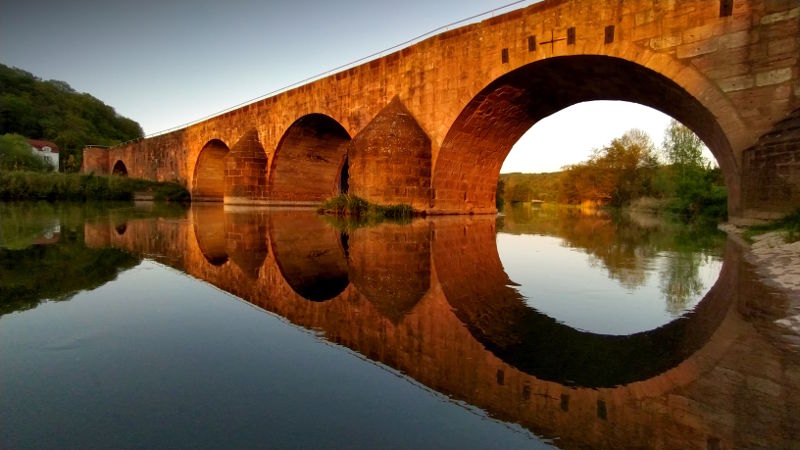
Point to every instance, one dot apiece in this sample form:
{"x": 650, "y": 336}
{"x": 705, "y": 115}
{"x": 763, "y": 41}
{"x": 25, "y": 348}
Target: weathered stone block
{"x": 780, "y": 16}
{"x": 697, "y": 48}
{"x": 735, "y": 40}
{"x": 787, "y": 45}
{"x": 736, "y": 83}
{"x": 700, "y": 33}
{"x": 662, "y": 42}
{"x": 773, "y": 76}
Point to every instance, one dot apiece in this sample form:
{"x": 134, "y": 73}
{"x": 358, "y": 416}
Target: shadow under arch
{"x": 208, "y": 222}
{"x": 119, "y": 169}
{"x": 309, "y": 253}
{"x": 208, "y": 183}
{"x": 483, "y": 298}
{"x": 468, "y": 163}
{"x": 310, "y": 161}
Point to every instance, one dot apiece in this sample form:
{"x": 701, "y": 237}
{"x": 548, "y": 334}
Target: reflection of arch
{"x": 308, "y": 162}
{"x": 467, "y": 166}
{"x": 309, "y": 254}
{"x": 209, "y": 230}
{"x": 120, "y": 169}
{"x": 120, "y": 229}
{"x": 482, "y": 297}
{"x": 209, "y": 172}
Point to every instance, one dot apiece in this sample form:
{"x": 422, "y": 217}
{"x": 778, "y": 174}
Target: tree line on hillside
{"x": 53, "y": 111}
{"x": 628, "y": 169}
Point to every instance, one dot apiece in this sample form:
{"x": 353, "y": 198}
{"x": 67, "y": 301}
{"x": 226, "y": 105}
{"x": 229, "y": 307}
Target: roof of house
{"x": 40, "y": 143}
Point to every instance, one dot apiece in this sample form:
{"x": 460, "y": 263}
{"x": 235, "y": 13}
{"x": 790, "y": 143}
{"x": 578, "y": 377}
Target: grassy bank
{"x": 358, "y": 212}
{"x": 707, "y": 206}
{"x": 790, "y": 225}
{"x": 19, "y": 185}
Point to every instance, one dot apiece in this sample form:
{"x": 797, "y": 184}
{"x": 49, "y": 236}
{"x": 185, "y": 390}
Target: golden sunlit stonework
{"x": 449, "y": 108}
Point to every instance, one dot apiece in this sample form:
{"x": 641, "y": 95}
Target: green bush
{"x": 16, "y": 154}
{"x": 358, "y": 212}
{"x": 18, "y": 185}
{"x": 790, "y": 224}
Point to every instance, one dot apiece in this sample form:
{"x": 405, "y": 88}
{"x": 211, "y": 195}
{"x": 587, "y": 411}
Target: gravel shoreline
{"x": 777, "y": 263}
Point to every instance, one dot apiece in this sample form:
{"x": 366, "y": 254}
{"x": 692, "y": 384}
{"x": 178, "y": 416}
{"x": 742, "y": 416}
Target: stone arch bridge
{"x": 431, "y": 124}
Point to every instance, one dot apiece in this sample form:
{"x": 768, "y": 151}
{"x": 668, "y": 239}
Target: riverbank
{"x": 22, "y": 185}
{"x": 776, "y": 257}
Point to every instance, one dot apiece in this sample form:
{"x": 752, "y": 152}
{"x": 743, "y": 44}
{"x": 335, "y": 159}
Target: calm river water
{"x": 148, "y": 326}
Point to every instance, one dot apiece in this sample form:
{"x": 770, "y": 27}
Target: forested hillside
{"x": 52, "y": 110}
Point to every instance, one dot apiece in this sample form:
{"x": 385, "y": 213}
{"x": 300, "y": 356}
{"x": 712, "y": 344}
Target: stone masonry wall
{"x": 771, "y": 171}
{"x": 740, "y": 64}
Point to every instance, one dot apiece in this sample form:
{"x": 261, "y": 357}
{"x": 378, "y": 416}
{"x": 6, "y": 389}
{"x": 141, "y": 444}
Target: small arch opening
{"x": 120, "y": 169}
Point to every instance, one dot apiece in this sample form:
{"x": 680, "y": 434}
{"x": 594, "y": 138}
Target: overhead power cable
{"x": 337, "y": 69}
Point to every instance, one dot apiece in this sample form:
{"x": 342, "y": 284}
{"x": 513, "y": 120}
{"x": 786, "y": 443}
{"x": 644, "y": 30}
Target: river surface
{"x": 142, "y": 326}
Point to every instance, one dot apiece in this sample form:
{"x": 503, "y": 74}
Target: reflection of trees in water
{"x": 31, "y": 273}
{"x": 626, "y": 245}
{"x": 679, "y": 281}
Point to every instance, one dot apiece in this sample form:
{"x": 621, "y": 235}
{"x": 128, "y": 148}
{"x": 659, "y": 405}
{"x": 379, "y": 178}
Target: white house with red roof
{"x": 46, "y": 150}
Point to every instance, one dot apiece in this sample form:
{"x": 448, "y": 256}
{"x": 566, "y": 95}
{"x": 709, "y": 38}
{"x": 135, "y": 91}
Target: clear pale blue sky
{"x": 165, "y": 63}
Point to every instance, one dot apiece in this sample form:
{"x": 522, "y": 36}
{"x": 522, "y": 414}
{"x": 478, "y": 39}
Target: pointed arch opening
{"x": 208, "y": 183}
{"x": 119, "y": 169}
{"x": 310, "y": 163}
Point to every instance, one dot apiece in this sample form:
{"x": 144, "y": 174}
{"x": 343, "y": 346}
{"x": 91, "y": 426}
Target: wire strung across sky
{"x": 342, "y": 67}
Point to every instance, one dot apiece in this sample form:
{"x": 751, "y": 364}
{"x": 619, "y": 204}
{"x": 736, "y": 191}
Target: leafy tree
{"x": 52, "y": 110}
{"x": 16, "y": 154}
{"x": 521, "y": 187}
{"x": 616, "y": 173}
{"x": 696, "y": 189}
{"x": 682, "y": 147}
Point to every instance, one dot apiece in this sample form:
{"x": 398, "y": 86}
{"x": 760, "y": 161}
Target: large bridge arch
{"x": 468, "y": 162}
{"x": 310, "y": 160}
{"x": 208, "y": 182}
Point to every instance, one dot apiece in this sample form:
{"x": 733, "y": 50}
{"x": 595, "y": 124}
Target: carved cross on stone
{"x": 552, "y": 41}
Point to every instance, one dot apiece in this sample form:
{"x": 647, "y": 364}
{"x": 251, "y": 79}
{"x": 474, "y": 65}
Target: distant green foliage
{"x": 360, "y": 212}
{"x": 698, "y": 193}
{"x": 524, "y": 187}
{"x": 19, "y": 185}
{"x": 16, "y": 154}
{"x": 52, "y": 110}
{"x": 695, "y": 189}
{"x": 682, "y": 147}
{"x": 615, "y": 174}
{"x": 627, "y": 170}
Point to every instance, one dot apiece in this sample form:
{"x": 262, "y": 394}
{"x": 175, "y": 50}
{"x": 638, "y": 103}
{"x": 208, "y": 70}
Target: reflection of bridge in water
{"x": 415, "y": 298}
